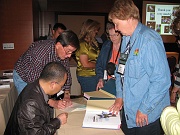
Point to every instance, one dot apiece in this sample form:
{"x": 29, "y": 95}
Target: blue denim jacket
{"x": 103, "y": 58}
{"x": 146, "y": 78}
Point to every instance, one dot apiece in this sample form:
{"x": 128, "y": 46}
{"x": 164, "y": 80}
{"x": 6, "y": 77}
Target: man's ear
{"x": 58, "y": 45}
{"x": 52, "y": 85}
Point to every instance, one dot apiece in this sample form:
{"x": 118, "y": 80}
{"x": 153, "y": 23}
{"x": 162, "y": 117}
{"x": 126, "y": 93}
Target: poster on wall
{"x": 159, "y": 17}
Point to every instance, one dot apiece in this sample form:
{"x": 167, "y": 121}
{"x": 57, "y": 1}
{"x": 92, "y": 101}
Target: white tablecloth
{"x": 8, "y": 98}
{"x": 74, "y": 124}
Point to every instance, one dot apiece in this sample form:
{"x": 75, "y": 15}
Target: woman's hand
{"x": 100, "y": 84}
{"x": 117, "y": 106}
{"x": 141, "y": 119}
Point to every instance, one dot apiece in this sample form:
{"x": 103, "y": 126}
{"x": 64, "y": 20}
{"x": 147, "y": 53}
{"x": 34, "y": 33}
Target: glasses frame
{"x": 114, "y": 35}
{"x": 67, "y": 51}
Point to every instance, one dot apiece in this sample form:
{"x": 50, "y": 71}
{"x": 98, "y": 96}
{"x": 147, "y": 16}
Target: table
{"x": 74, "y": 124}
{"x": 8, "y": 98}
{"x": 75, "y": 87}
{"x": 174, "y": 54}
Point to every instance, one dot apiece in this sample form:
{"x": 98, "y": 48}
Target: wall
{"x": 36, "y": 19}
{"x": 71, "y": 6}
{"x": 21, "y": 22}
{"x": 16, "y": 27}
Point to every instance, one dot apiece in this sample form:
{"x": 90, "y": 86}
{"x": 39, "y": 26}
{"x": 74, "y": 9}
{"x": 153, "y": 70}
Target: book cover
{"x": 98, "y": 116}
{"x": 74, "y": 107}
{"x": 101, "y": 94}
{"x": 6, "y": 78}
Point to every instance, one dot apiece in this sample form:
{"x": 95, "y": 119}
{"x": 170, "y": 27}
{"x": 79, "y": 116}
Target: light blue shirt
{"x": 146, "y": 78}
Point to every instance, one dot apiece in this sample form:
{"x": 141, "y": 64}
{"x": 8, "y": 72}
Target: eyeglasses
{"x": 114, "y": 35}
{"x": 67, "y": 51}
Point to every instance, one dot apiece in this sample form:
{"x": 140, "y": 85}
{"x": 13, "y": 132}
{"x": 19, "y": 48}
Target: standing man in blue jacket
{"x": 143, "y": 76}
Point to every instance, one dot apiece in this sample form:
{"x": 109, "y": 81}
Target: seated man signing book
{"x": 31, "y": 113}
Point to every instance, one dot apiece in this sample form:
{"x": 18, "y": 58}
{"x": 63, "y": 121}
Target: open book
{"x": 98, "y": 116}
{"x": 101, "y": 94}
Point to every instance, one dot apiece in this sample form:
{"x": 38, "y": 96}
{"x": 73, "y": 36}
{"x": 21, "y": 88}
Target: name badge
{"x": 105, "y": 75}
{"x": 122, "y": 63}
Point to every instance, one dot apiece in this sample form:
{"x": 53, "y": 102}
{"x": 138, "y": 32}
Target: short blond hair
{"x": 123, "y": 10}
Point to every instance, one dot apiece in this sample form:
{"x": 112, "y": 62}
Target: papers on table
{"x": 74, "y": 107}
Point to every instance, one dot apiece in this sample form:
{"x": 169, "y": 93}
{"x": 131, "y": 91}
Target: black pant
{"x": 150, "y": 129}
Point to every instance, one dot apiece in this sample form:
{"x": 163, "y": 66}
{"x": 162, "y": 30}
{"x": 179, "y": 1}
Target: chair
{"x": 170, "y": 120}
{"x": 172, "y": 63}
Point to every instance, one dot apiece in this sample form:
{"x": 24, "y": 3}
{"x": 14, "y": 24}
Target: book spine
{"x": 5, "y": 80}
{"x": 7, "y": 74}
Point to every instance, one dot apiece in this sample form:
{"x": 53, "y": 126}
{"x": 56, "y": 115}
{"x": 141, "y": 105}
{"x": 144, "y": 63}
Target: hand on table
{"x": 141, "y": 119}
{"x": 67, "y": 98}
{"x": 57, "y": 104}
{"x": 68, "y": 101}
{"x": 63, "y": 117}
{"x": 117, "y": 106}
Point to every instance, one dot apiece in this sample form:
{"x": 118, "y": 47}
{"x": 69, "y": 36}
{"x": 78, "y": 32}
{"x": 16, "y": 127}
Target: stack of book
{"x": 8, "y": 73}
{"x": 6, "y": 79}
{"x": 4, "y": 84}
{"x": 97, "y": 111}
{"x": 100, "y": 94}
{"x": 98, "y": 116}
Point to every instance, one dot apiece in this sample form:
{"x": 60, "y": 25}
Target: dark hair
{"x": 109, "y": 25}
{"x": 68, "y": 37}
{"x": 59, "y": 25}
{"x": 53, "y": 71}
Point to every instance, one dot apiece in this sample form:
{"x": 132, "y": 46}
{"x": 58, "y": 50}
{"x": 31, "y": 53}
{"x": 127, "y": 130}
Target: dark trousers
{"x": 88, "y": 84}
{"x": 151, "y": 129}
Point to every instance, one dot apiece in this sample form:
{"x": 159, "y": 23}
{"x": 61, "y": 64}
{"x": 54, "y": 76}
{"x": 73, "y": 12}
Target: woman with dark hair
{"x": 108, "y": 56}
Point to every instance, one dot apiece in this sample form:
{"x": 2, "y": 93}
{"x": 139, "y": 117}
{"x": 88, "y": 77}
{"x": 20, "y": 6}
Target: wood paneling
{"x": 80, "y": 5}
{"x": 19, "y": 21}
{"x": 16, "y": 27}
